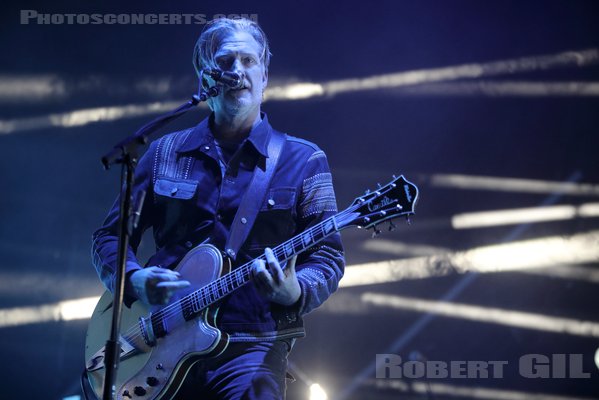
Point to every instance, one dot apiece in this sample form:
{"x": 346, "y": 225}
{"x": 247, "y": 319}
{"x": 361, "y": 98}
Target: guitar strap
{"x": 254, "y": 195}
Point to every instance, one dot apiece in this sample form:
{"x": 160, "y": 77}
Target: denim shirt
{"x": 192, "y": 197}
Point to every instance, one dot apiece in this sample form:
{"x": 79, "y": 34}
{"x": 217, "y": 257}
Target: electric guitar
{"x": 160, "y": 344}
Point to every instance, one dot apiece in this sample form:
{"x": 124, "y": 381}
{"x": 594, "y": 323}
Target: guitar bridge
{"x": 146, "y": 326}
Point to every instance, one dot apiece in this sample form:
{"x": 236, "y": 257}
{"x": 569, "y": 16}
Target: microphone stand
{"x": 125, "y": 153}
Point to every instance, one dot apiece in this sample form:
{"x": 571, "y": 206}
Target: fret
{"x": 288, "y": 248}
{"x": 306, "y": 239}
{"x": 239, "y": 277}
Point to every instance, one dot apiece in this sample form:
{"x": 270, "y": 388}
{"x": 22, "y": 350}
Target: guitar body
{"x": 158, "y": 370}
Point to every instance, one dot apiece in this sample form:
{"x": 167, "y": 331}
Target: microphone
{"x": 230, "y": 79}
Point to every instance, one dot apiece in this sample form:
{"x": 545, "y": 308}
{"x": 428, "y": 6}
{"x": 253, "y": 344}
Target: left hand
{"x": 274, "y": 284}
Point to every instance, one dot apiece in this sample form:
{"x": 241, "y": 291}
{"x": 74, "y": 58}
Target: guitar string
{"x": 133, "y": 332}
{"x": 176, "y": 308}
{"x": 204, "y": 300}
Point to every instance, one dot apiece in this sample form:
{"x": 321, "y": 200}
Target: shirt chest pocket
{"x": 282, "y": 198}
{"x": 175, "y": 188}
{"x": 275, "y": 222}
{"x": 175, "y": 206}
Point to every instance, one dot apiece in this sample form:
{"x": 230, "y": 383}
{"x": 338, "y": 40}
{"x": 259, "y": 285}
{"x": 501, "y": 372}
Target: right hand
{"x": 155, "y": 285}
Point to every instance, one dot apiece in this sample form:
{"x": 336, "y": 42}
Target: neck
{"x": 236, "y": 127}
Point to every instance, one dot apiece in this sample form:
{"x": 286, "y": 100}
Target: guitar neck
{"x": 226, "y": 284}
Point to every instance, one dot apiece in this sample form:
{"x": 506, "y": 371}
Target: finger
{"x": 262, "y": 276}
{"x": 256, "y": 267}
{"x": 277, "y": 273}
{"x": 274, "y": 266}
{"x": 166, "y": 272}
{"x": 290, "y": 267}
{"x": 173, "y": 286}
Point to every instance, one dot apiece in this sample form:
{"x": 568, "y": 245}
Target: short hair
{"x": 213, "y": 34}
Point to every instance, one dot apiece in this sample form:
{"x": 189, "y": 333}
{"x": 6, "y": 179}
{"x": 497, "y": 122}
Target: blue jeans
{"x": 252, "y": 371}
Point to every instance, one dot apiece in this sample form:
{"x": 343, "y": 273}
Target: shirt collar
{"x": 202, "y": 135}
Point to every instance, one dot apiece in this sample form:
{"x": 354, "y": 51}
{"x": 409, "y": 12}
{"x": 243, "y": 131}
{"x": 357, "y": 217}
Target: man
{"x": 194, "y": 180}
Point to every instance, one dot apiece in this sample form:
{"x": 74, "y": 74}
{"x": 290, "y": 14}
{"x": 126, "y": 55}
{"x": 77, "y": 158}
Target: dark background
{"x": 55, "y": 193}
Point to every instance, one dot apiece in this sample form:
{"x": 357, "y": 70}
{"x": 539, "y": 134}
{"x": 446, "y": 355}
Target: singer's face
{"x": 239, "y": 52}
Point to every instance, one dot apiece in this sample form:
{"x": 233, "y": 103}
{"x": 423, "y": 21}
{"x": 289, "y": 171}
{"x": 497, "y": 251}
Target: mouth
{"x": 238, "y": 91}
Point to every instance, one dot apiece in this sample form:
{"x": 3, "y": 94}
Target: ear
{"x": 264, "y": 78}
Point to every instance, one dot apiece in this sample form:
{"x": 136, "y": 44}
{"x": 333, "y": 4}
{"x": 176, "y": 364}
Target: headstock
{"x": 395, "y": 199}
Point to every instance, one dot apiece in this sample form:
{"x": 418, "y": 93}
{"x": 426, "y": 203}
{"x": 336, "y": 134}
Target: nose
{"x": 237, "y": 67}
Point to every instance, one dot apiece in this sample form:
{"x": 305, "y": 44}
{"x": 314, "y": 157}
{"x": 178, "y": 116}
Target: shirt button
{"x": 188, "y": 244}
{"x": 206, "y": 148}
{"x": 271, "y": 202}
{"x": 244, "y": 221}
{"x": 219, "y": 217}
{"x": 174, "y": 191}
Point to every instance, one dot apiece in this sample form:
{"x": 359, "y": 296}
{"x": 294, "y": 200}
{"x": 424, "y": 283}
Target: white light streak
{"x": 492, "y": 315}
{"x": 379, "y": 245}
{"x": 45, "y": 87}
{"x": 62, "y": 311}
{"x": 85, "y": 116}
{"x": 31, "y": 88}
{"x": 464, "y": 71}
{"x": 523, "y": 215}
{"x": 515, "y": 256}
{"x": 504, "y": 89}
{"x": 503, "y": 184}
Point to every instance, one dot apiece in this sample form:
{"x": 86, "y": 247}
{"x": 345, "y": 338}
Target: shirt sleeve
{"x": 105, "y": 239}
{"x": 320, "y": 268}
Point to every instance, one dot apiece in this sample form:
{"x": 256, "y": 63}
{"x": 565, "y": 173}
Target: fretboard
{"x": 226, "y": 284}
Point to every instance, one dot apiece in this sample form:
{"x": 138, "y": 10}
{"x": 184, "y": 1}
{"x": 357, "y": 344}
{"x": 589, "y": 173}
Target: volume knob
{"x": 139, "y": 391}
{"x": 152, "y": 381}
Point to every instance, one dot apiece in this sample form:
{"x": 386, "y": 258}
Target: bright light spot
{"x": 77, "y": 309}
{"x": 487, "y": 314}
{"x": 294, "y": 91}
{"x": 72, "y": 398}
{"x": 589, "y": 210}
{"x": 597, "y": 358}
{"x": 317, "y": 392}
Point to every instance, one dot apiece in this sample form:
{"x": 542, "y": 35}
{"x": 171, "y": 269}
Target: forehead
{"x": 238, "y": 42}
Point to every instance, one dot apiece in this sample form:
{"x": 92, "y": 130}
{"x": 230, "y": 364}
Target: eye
{"x": 249, "y": 60}
{"x": 224, "y": 62}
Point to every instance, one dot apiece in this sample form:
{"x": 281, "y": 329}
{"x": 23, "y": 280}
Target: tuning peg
{"x": 367, "y": 191}
{"x": 394, "y": 177}
{"x": 378, "y": 185}
{"x": 376, "y": 231}
{"x": 392, "y": 226}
